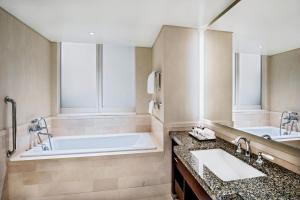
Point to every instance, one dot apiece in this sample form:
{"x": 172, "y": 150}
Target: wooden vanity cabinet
{"x": 184, "y": 185}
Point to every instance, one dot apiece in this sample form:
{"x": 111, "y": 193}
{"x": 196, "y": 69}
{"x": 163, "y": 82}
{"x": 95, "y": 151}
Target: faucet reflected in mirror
{"x": 288, "y": 122}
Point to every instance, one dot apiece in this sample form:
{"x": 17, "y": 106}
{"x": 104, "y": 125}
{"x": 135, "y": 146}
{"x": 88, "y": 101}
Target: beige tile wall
{"x": 143, "y": 67}
{"x": 158, "y": 65}
{"x": 251, "y": 118}
{"x": 81, "y": 125}
{"x": 176, "y": 54}
{"x": 25, "y": 75}
{"x": 218, "y": 76}
{"x": 283, "y": 71}
{"x": 3, "y": 166}
{"x": 25, "y": 71}
{"x": 181, "y": 74}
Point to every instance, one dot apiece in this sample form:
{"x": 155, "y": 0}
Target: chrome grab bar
{"x": 14, "y": 124}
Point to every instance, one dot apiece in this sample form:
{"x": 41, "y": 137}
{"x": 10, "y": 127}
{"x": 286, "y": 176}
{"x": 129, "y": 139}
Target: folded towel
{"x": 151, "y": 83}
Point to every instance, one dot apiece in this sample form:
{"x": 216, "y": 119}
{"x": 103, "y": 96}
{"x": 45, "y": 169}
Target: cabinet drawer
{"x": 179, "y": 191}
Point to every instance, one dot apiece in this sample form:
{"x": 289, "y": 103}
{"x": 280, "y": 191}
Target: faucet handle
{"x": 34, "y": 121}
{"x": 259, "y": 158}
{"x": 235, "y": 141}
{"x": 239, "y": 148}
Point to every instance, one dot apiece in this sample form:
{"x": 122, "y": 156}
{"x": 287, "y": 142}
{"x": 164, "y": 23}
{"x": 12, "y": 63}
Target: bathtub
{"x": 273, "y": 132}
{"x": 66, "y": 145}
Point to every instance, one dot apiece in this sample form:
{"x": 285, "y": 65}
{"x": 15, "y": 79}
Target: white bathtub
{"x": 274, "y": 132}
{"x": 66, "y": 145}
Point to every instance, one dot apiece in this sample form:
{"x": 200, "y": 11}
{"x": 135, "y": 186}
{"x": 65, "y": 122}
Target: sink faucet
{"x": 239, "y": 146}
{"x": 37, "y": 127}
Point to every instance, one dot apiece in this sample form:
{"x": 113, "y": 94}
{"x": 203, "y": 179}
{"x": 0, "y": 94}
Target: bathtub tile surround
{"x": 251, "y": 118}
{"x": 90, "y": 125}
{"x": 127, "y": 177}
{"x": 3, "y": 165}
{"x": 157, "y": 128}
{"x": 278, "y": 184}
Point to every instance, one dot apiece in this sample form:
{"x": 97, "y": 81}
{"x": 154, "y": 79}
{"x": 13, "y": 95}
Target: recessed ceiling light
{"x": 91, "y": 33}
{"x": 260, "y": 46}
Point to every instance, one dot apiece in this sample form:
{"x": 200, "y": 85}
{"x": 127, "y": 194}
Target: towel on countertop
{"x": 209, "y": 134}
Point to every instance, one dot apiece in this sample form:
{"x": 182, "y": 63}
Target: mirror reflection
{"x": 266, "y": 71}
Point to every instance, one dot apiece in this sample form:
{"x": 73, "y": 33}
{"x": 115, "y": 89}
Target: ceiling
{"x": 263, "y": 26}
{"x": 128, "y": 22}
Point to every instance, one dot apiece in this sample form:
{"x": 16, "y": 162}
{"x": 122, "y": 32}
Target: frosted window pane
{"x": 250, "y": 79}
{"x": 118, "y": 76}
{"x": 78, "y": 75}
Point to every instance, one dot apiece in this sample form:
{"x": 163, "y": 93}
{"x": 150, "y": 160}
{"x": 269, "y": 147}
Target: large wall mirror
{"x": 266, "y": 69}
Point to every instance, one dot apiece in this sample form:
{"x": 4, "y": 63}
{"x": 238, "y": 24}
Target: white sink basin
{"x": 224, "y": 165}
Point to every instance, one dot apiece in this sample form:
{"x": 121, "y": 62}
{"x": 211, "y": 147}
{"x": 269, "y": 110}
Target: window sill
{"x": 97, "y": 115}
{"x": 249, "y": 110}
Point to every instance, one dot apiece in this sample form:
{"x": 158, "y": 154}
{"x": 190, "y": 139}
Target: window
{"x": 78, "y": 78}
{"x": 247, "y": 82}
{"x": 118, "y": 78}
{"x": 97, "y": 78}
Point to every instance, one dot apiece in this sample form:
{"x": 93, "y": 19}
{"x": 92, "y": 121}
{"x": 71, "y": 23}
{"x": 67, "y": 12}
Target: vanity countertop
{"x": 279, "y": 183}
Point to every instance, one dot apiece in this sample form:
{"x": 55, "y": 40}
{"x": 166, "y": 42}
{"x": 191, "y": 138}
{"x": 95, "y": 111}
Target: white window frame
{"x": 99, "y": 109}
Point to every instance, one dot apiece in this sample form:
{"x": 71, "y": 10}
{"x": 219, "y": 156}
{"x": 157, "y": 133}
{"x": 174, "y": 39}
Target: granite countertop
{"x": 279, "y": 183}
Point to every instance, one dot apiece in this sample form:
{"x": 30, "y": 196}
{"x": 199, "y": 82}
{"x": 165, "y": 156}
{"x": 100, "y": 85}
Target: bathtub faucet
{"x": 37, "y": 126}
{"x": 289, "y": 121}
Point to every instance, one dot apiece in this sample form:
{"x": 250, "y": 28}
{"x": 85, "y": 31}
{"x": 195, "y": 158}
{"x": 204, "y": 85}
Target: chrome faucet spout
{"x": 49, "y": 138}
{"x": 247, "y": 143}
{"x": 37, "y": 126}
